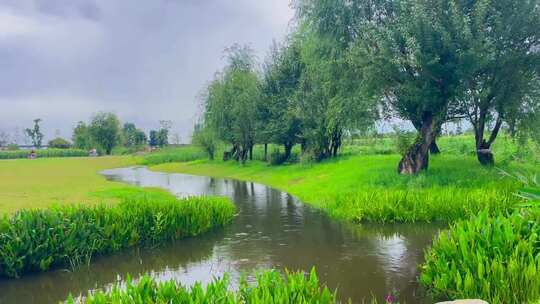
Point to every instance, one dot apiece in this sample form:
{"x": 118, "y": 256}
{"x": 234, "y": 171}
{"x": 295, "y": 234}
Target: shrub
{"x": 59, "y": 143}
{"x": 206, "y": 140}
{"x": 37, "y": 240}
{"x": 277, "y": 158}
{"x": 46, "y": 153}
{"x": 270, "y": 287}
{"x": 493, "y": 258}
{"x": 404, "y": 140}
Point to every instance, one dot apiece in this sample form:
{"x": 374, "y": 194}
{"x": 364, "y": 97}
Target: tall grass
{"x": 66, "y": 236}
{"x": 174, "y": 155}
{"x": 437, "y": 204}
{"x": 45, "y": 153}
{"x": 363, "y": 188}
{"x": 270, "y": 287}
{"x": 493, "y": 258}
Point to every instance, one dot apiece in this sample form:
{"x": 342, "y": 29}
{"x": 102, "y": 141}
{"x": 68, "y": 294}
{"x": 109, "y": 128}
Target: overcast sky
{"x": 147, "y": 60}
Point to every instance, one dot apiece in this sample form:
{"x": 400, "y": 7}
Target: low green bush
{"x": 37, "y": 240}
{"x": 270, "y": 287}
{"x": 59, "y": 143}
{"x": 45, "y": 153}
{"x": 496, "y": 259}
{"x": 276, "y": 158}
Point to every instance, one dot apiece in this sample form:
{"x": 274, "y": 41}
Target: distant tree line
{"x": 349, "y": 63}
{"x": 104, "y": 132}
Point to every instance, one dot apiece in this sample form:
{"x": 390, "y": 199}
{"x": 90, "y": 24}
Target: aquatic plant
{"x": 493, "y": 258}
{"x": 269, "y": 287}
{"x": 530, "y": 191}
{"x": 67, "y": 236}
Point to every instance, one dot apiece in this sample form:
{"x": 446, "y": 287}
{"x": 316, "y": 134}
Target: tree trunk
{"x": 434, "y": 148}
{"x": 288, "y": 149}
{"x": 483, "y": 147}
{"x": 251, "y": 152}
{"x": 336, "y": 143}
{"x": 485, "y": 155}
{"x": 265, "y": 152}
{"x": 243, "y": 154}
{"x": 233, "y": 154}
{"x": 417, "y": 157}
{"x": 303, "y": 145}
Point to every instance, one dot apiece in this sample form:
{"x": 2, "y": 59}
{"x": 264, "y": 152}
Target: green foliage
{"x": 159, "y": 138}
{"x": 278, "y": 120}
{"x": 35, "y": 133}
{"x": 174, "y": 155}
{"x": 105, "y": 132}
{"x": 37, "y": 240}
{"x": 277, "y": 158}
{"x": 501, "y": 80}
{"x": 270, "y": 287}
{"x": 230, "y": 102}
{"x": 530, "y": 191}
{"x": 81, "y": 137}
{"x": 404, "y": 140}
{"x": 46, "y": 153}
{"x": 493, "y": 258}
{"x": 59, "y": 143}
{"x": 206, "y": 139}
{"x": 133, "y": 137}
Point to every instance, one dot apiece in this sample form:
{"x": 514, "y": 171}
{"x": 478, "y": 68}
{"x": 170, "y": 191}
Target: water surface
{"x": 272, "y": 229}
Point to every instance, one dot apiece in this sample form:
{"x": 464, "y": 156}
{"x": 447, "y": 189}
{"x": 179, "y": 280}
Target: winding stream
{"x": 272, "y": 229}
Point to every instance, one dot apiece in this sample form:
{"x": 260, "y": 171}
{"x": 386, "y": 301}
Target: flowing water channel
{"x": 272, "y": 230}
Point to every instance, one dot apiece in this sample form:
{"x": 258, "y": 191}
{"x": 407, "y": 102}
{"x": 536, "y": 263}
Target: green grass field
{"x": 40, "y": 183}
{"x": 363, "y": 184}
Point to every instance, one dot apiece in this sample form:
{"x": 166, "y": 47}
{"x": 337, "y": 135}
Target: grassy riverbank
{"x": 367, "y": 188}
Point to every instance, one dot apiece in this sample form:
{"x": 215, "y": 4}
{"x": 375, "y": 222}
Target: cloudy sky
{"x": 62, "y": 60}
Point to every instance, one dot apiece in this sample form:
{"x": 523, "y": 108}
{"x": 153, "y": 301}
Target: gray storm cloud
{"x": 143, "y": 60}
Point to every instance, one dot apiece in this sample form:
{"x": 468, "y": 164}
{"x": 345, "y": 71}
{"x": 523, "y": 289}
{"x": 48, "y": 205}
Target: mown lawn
{"x": 367, "y": 187}
{"x": 43, "y": 182}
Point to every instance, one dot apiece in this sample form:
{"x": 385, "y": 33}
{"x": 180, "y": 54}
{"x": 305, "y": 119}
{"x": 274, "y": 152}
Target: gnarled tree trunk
{"x": 288, "y": 149}
{"x": 483, "y": 147}
{"x": 417, "y": 157}
{"x": 434, "y": 148}
{"x": 485, "y": 155}
{"x": 336, "y": 143}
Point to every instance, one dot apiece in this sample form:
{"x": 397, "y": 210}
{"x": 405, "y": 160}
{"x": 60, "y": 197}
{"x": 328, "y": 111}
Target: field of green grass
{"x": 42, "y": 182}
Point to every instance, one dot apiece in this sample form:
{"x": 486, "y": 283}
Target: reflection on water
{"x": 272, "y": 229}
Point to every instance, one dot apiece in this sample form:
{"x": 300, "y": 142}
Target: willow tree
{"x": 231, "y": 101}
{"x": 281, "y": 79}
{"x": 501, "y": 87}
{"x": 410, "y": 56}
{"x": 329, "y": 98}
